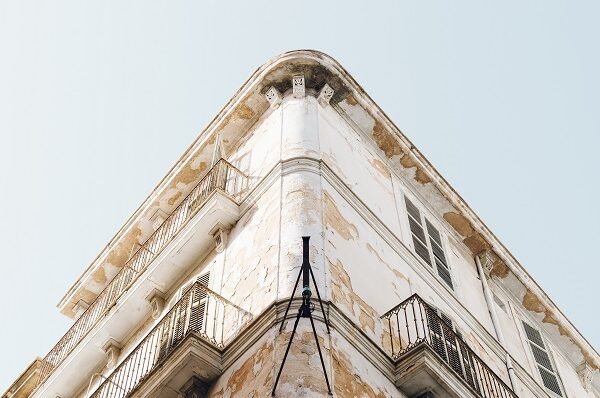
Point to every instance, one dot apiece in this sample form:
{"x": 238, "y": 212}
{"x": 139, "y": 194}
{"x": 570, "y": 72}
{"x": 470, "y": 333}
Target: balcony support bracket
{"x": 195, "y": 388}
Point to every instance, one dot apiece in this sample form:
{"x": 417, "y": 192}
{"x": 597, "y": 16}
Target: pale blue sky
{"x": 99, "y": 99}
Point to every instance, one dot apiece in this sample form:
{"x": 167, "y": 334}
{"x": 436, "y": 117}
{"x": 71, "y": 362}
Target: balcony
{"x": 212, "y": 202}
{"x": 433, "y": 358}
{"x": 186, "y": 343}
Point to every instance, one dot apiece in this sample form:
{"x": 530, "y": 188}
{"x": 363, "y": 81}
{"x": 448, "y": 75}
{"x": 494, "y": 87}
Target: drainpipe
{"x": 496, "y": 323}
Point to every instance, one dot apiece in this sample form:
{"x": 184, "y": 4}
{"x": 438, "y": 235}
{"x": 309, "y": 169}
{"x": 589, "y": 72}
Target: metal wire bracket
{"x": 305, "y": 311}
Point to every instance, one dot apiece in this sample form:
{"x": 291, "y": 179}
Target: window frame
{"x": 533, "y": 362}
{"x": 423, "y": 223}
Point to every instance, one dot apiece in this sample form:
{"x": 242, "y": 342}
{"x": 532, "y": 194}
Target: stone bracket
{"x": 273, "y": 96}
{"x": 325, "y": 95}
{"x": 158, "y": 218}
{"x": 195, "y": 388}
{"x": 220, "y": 235}
{"x": 488, "y": 258}
{"x": 298, "y": 86}
{"x": 80, "y": 308}
{"x": 112, "y": 348}
{"x": 586, "y": 374}
{"x": 156, "y": 298}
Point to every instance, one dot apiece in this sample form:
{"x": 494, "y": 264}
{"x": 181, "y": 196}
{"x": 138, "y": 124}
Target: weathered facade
{"x": 422, "y": 299}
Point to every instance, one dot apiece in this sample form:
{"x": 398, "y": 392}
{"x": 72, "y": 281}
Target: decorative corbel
{"x": 157, "y": 302}
{"x": 298, "y": 88}
{"x": 80, "y": 308}
{"x": 220, "y": 235}
{"x": 488, "y": 258}
{"x": 112, "y": 348}
{"x": 325, "y": 95}
{"x": 158, "y": 218}
{"x": 195, "y": 388}
{"x": 273, "y": 96}
{"x": 586, "y": 374}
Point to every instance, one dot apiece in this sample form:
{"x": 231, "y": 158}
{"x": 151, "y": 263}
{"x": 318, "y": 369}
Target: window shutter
{"x": 204, "y": 279}
{"x": 424, "y": 241}
{"x": 418, "y": 234}
{"x": 438, "y": 254}
{"x": 542, "y": 358}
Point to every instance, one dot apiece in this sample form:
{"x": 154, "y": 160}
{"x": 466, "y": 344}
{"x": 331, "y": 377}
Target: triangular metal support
{"x": 305, "y": 310}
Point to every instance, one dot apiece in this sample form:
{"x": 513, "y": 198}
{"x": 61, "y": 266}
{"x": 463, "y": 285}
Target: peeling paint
{"x": 500, "y": 269}
{"x": 243, "y": 111}
{"x": 342, "y": 294}
{"x": 476, "y": 243}
{"x": 120, "y": 254}
{"x": 459, "y": 223}
{"x": 380, "y": 167}
{"x": 252, "y": 378}
{"x": 420, "y": 176}
{"x": 334, "y": 218}
{"x": 351, "y": 100}
{"x": 386, "y": 141}
{"x": 347, "y": 382}
{"x": 99, "y": 275}
{"x": 173, "y": 199}
{"x": 397, "y": 273}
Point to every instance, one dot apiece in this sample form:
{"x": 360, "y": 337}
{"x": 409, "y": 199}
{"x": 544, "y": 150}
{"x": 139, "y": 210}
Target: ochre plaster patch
{"x": 351, "y": 100}
{"x": 380, "y": 167}
{"x": 334, "y": 219}
{"x": 99, "y": 275}
{"x": 120, "y": 254}
{"x": 305, "y": 203}
{"x": 459, "y": 223}
{"x": 420, "y": 176}
{"x": 347, "y": 383}
{"x": 344, "y": 296}
{"x": 500, "y": 269}
{"x": 83, "y": 294}
{"x": 252, "y": 378}
{"x": 386, "y": 141}
{"x": 243, "y": 111}
{"x": 476, "y": 243}
{"x": 302, "y": 371}
{"x": 173, "y": 199}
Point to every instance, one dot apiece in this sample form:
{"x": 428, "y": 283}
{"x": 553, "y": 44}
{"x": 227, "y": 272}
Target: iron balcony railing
{"x": 200, "y": 312}
{"x": 222, "y": 176}
{"x": 414, "y": 323}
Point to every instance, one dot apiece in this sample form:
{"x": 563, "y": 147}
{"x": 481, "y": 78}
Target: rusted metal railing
{"x": 201, "y": 312}
{"x": 222, "y": 176}
{"x": 414, "y": 323}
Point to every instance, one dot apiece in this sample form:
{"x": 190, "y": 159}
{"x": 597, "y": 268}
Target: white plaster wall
{"x": 251, "y": 257}
{"x": 260, "y": 149}
{"x": 364, "y": 172}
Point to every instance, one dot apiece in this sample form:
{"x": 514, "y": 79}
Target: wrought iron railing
{"x": 414, "y": 323}
{"x": 200, "y": 312}
{"x": 222, "y": 176}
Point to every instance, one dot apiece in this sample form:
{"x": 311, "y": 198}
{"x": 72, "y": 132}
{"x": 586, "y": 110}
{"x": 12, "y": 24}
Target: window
{"x": 446, "y": 340}
{"x": 203, "y": 279}
{"x": 187, "y": 313}
{"x": 428, "y": 242}
{"x": 542, "y": 358}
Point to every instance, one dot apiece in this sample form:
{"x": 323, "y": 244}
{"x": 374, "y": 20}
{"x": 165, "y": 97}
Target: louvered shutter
{"x": 439, "y": 257}
{"x": 187, "y": 314}
{"x": 542, "y": 358}
{"x": 416, "y": 229}
{"x": 198, "y": 305}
